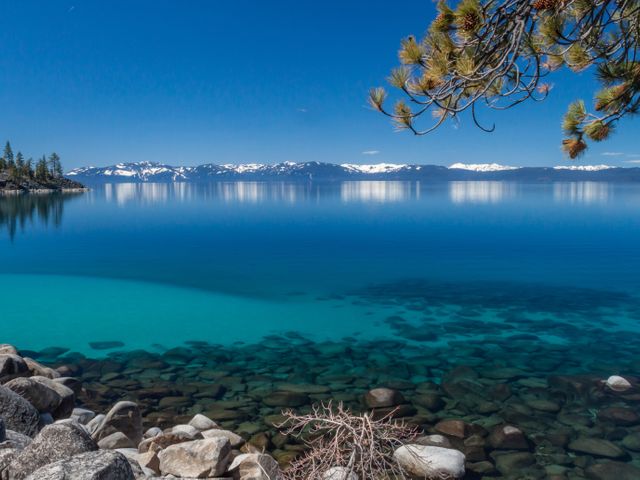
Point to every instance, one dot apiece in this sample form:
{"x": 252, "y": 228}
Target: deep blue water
{"x": 158, "y": 264}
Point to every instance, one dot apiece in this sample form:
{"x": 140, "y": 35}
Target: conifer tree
{"x": 42, "y": 172}
{"x": 55, "y": 167}
{"x": 8, "y": 155}
{"x": 498, "y": 53}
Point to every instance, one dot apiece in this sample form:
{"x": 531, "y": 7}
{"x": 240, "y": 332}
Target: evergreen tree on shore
{"x": 18, "y": 169}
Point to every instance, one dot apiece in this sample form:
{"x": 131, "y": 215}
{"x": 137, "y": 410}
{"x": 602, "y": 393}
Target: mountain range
{"x": 318, "y": 171}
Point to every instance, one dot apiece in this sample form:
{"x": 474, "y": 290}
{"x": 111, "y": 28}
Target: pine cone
{"x": 545, "y": 4}
{"x": 469, "y": 22}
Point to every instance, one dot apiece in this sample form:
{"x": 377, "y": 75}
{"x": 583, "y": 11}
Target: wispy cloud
{"x": 302, "y": 110}
{"x": 371, "y": 152}
{"x": 612, "y": 154}
{"x": 632, "y": 161}
{"x": 71, "y": 8}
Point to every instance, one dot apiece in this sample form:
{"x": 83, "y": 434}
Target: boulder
{"x": 16, "y": 440}
{"x": 613, "y": 471}
{"x": 255, "y": 466}
{"x": 82, "y": 415}
{"x": 7, "y": 455}
{"x": 597, "y": 447}
{"x": 164, "y": 440}
{"x": 339, "y": 473}
{"x": 100, "y": 465}
{"x": 196, "y": 459}
{"x": 123, "y": 417}
{"x": 116, "y": 440}
{"x": 149, "y": 460}
{"x": 39, "y": 394}
{"x": 618, "y": 383}
{"x": 55, "y": 442}
{"x": 19, "y": 415}
{"x": 433, "y": 441}
{"x": 40, "y": 370}
{"x": 235, "y": 440}
{"x": 507, "y": 437}
{"x": 202, "y": 422}
{"x": 12, "y": 366}
{"x": 5, "y": 348}
{"x": 431, "y": 463}
{"x": 383, "y": 397}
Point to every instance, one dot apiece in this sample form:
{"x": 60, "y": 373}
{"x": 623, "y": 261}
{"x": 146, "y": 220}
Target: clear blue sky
{"x": 188, "y": 82}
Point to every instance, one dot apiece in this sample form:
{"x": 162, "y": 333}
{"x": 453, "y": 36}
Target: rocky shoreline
{"x": 199, "y": 412}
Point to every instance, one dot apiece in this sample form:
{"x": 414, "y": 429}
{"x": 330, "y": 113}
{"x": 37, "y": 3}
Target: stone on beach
{"x": 100, "y": 465}
{"x": 19, "y": 415}
{"x": 12, "y": 366}
{"x": 201, "y": 422}
{"x": 116, "y": 440}
{"x": 431, "y": 463}
{"x": 44, "y": 394}
{"x": 123, "y": 417}
{"x": 255, "y": 466}
{"x": 196, "y": 459}
{"x": 53, "y": 443}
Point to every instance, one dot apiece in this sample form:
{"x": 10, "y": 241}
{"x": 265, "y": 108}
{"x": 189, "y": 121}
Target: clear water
{"x": 155, "y": 265}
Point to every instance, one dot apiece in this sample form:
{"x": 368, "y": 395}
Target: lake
{"x": 345, "y": 286}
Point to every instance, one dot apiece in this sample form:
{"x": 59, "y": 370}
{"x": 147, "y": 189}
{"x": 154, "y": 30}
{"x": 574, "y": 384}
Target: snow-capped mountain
{"x": 317, "y": 171}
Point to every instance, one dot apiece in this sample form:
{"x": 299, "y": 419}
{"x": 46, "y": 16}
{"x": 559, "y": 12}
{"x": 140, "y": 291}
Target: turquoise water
{"x": 156, "y": 265}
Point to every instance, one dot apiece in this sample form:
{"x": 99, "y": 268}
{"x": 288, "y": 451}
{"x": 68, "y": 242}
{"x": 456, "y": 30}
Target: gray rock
{"x": 6, "y": 457}
{"x": 100, "y": 465}
{"x": 123, "y": 417}
{"x": 12, "y": 366}
{"x": 198, "y": 459}
{"x": 256, "y": 466}
{"x": 95, "y": 423}
{"x": 45, "y": 419}
{"x": 39, "y": 394}
{"x": 67, "y": 395}
{"x": 3, "y": 430}
{"x": 116, "y": 440}
{"x": 433, "y": 441}
{"x": 16, "y": 440}
{"x": 165, "y": 440}
{"x": 82, "y": 415}
{"x": 383, "y": 397}
{"x": 70, "y": 382}
{"x": 188, "y": 429}
{"x": 430, "y": 462}
{"x": 613, "y": 471}
{"x": 597, "y": 447}
{"x": 507, "y": 437}
{"x": 55, "y": 442}
{"x": 18, "y": 414}
{"x": 153, "y": 432}
{"x": 202, "y": 422}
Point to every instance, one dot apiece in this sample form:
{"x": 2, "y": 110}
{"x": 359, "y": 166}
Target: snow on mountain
{"x": 482, "y": 167}
{"x": 375, "y": 168}
{"x": 583, "y": 168}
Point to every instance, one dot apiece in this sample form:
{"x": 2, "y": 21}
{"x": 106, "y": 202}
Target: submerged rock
{"x": 618, "y": 383}
{"x": 383, "y": 397}
{"x": 597, "y": 447}
{"x": 431, "y": 463}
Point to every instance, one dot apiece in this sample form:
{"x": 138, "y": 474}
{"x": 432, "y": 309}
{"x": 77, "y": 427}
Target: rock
{"x": 613, "y": 471}
{"x": 19, "y": 415}
{"x": 339, "y": 473}
{"x": 16, "y": 440}
{"x": 513, "y": 463}
{"x": 431, "y": 462}
{"x": 632, "y": 441}
{"x": 285, "y": 399}
{"x": 5, "y": 348}
{"x": 429, "y": 400}
{"x": 149, "y": 460}
{"x": 619, "y": 416}
{"x": 383, "y": 397}
{"x": 202, "y": 423}
{"x": 70, "y": 382}
{"x": 618, "y": 383}
{"x": 116, "y": 440}
{"x": 3, "y": 430}
{"x": 434, "y": 441}
{"x": 82, "y": 415}
{"x": 53, "y": 443}
{"x": 507, "y": 437}
{"x": 100, "y": 465}
{"x": 40, "y": 395}
{"x": 40, "y": 370}
{"x": 67, "y": 396}
{"x": 12, "y": 366}
{"x": 454, "y": 428}
{"x": 197, "y": 459}
{"x": 106, "y": 345}
{"x": 165, "y": 440}
{"x": 152, "y": 432}
{"x": 188, "y": 429}
{"x": 95, "y": 422}
{"x": 236, "y": 441}
{"x": 255, "y": 466}
{"x": 596, "y": 447}
{"x": 123, "y": 417}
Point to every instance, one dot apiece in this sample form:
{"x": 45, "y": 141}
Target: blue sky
{"x": 243, "y": 81}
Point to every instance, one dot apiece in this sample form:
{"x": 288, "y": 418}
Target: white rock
{"x": 618, "y": 383}
{"x": 235, "y": 440}
{"x": 434, "y": 441}
{"x": 431, "y": 463}
{"x": 197, "y": 459}
{"x": 203, "y": 423}
{"x": 188, "y": 429}
{"x": 153, "y": 432}
{"x": 339, "y": 473}
{"x": 82, "y": 415}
